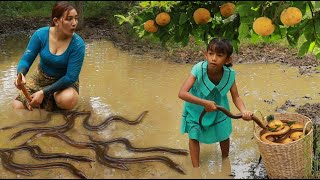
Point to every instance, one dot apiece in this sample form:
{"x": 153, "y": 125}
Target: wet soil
{"x": 102, "y": 29}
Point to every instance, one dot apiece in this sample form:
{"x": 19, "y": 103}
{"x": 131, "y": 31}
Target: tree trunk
{"x": 79, "y": 7}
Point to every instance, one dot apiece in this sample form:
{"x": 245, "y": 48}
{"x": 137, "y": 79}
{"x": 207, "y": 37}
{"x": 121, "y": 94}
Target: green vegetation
{"x": 239, "y": 27}
{"x": 182, "y": 31}
{"x": 20, "y": 9}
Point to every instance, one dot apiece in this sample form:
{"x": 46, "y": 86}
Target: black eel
{"x": 23, "y": 168}
{"x": 129, "y": 146}
{"x": 37, "y": 153}
{"x": 228, "y": 113}
{"x": 70, "y": 120}
{"x": 107, "y": 160}
{"x": 8, "y": 166}
{"x": 99, "y": 152}
{"x": 110, "y": 119}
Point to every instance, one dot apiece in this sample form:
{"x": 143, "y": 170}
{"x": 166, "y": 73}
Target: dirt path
{"x": 100, "y": 29}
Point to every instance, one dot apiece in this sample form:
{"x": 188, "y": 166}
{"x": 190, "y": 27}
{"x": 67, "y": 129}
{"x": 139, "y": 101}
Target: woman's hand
{"x": 23, "y": 82}
{"x": 210, "y": 106}
{"x": 37, "y": 98}
{"x": 247, "y": 115}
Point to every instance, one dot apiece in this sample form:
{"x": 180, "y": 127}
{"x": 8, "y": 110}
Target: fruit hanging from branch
{"x": 271, "y": 21}
{"x": 291, "y": 16}
{"x": 227, "y": 9}
{"x": 163, "y": 19}
{"x": 201, "y": 16}
{"x": 150, "y": 26}
{"x": 263, "y": 26}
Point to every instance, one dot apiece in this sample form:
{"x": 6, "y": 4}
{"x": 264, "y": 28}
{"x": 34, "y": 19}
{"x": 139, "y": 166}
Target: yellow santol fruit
{"x": 291, "y": 16}
{"x": 263, "y": 26}
{"x": 150, "y": 26}
{"x": 287, "y": 140}
{"x": 296, "y": 126}
{"x": 227, "y": 9}
{"x": 296, "y": 135}
{"x": 163, "y": 19}
{"x": 276, "y": 124}
{"x": 201, "y": 16}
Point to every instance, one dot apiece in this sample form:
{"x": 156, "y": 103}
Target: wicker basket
{"x": 291, "y": 160}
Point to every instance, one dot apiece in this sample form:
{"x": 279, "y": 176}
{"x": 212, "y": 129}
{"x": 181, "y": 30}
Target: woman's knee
{"x": 17, "y": 104}
{"x": 66, "y": 99}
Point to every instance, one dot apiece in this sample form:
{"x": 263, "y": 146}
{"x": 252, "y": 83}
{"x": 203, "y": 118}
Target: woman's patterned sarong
{"x": 37, "y": 81}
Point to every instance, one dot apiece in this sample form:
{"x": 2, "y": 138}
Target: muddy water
{"x": 114, "y": 82}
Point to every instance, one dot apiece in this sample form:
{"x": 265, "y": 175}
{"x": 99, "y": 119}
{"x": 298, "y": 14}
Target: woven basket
{"x": 291, "y": 160}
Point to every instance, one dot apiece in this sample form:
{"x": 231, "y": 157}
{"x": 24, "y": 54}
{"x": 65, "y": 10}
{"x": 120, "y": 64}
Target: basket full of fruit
{"x": 286, "y": 145}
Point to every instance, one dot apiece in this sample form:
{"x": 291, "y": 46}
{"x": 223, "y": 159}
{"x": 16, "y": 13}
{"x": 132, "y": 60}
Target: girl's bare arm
{"x": 238, "y": 102}
{"x": 185, "y": 95}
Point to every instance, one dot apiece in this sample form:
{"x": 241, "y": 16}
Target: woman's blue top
{"x": 65, "y": 67}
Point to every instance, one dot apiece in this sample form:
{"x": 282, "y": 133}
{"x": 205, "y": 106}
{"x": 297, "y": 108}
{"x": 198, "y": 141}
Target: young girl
{"x": 206, "y": 87}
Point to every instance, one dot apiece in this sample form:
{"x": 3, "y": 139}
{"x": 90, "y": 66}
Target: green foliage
{"x": 15, "y": 9}
{"x": 304, "y": 35}
{"x": 270, "y": 117}
{"x": 105, "y": 8}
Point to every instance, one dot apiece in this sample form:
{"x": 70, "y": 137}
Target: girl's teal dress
{"x": 217, "y": 125}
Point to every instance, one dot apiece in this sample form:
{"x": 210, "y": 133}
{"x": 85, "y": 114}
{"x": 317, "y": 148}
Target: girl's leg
{"x": 224, "y": 146}
{"x": 194, "y": 148}
{"x": 17, "y": 105}
{"x": 67, "y": 98}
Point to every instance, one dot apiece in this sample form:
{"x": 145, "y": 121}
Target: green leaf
{"x": 235, "y": 43}
{"x": 317, "y": 25}
{"x": 304, "y": 48}
{"x": 183, "y": 18}
{"x": 185, "y": 40}
{"x": 154, "y": 3}
{"x": 275, "y": 37}
{"x": 317, "y": 4}
{"x": 144, "y": 4}
{"x": 300, "y": 5}
{"x": 270, "y": 117}
{"x": 243, "y": 9}
{"x": 298, "y": 27}
{"x": 254, "y": 37}
{"x": 308, "y": 31}
{"x": 311, "y": 47}
{"x": 318, "y": 56}
{"x": 122, "y": 19}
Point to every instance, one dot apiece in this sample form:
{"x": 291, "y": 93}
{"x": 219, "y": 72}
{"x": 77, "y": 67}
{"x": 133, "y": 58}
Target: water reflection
{"x": 115, "y": 82}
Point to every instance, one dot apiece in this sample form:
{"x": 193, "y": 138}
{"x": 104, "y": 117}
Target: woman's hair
{"x": 59, "y": 8}
{"x": 221, "y": 45}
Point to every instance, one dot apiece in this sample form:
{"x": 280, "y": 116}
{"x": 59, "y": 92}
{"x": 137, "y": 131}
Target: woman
{"x": 55, "y": 82}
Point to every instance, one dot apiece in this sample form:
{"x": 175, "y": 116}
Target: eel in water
{"x": 70, "y": 120}
{"x": 40, "y": 121}
{"x": 44, "y": 121}
{"x": 104, "y": 159}
{"x": 23, "y": 168}
{"x": 83, "y": 145}
{"x": 8, "y": 166}
{"x": 37, "y": 153}
{"x": 110, "y": 119}
{"x": 234, "y": 116}
{"x": 129, "y": 146}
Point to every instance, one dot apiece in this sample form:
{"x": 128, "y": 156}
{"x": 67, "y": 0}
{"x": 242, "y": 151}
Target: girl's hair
{"x": 221, "y": 45}
{"x": 59, "y": 8}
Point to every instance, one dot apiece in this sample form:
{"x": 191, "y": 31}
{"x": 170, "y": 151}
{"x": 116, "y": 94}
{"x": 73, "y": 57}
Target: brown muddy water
{"x": 114, "y": 82}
